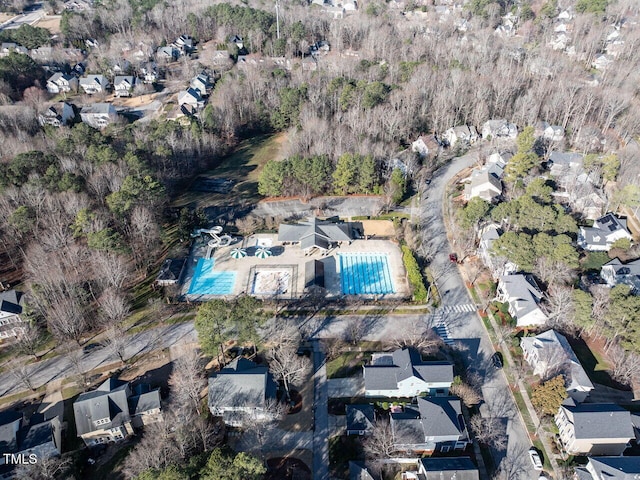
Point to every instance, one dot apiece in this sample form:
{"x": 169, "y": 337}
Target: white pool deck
{"x": 290, "y": 260}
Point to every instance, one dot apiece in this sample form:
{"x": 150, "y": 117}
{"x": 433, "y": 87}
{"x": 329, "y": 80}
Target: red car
{"x": 453, "y": 258}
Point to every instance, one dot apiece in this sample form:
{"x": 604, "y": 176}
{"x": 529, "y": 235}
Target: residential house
{"x": 99, "y": 115}
{"x": 123, "y": 85}
{"x": 550, "y": 354}
{"x": 402, "y": 373}
{"x": 604, "y": 233}
{"x": 485, "y": 185}
{"x": 167, "y": 54}
{"x": 121, "y": 67}
{"x": 109, "y": 413}
{"x": 358, "y": 471}
{"x": 92, "y": 84}
{"x": 237, "y": 41}
{"x": 360, "y": 419}
{"x": 434, "y": 424}
{"x": 426, "y": 146}
{"x": 242, "y": 392}
{"x": 57, "y": 115}
{"x": 463, "y": 134}
{"x": 149, "y": 73}
{"x": 499, "y": 129}
{"x": 10, "y": 47}
{"x": 40, "y": 438}
{"x": 191, "y": 98}
{"x": 615, "y": 272}
{"x": 524, "y": 296}
{"x": 451, "y": 468}
{"x": 594, "y": 428}
{"x": 602, "y": 62}
{"x": 562, "y": 163}
{"x": 315, "y": 234}
{"x": 498, "y": 266}
{"x": 10, "y": 310}
{"x": 497, "y": 162}
{"x": 609, "y": 468}
{"x": 202, "y": 83}
{"x": 553, "y": 133}
{"x": 62, "y": 82}
{"x": 185, "y": 44}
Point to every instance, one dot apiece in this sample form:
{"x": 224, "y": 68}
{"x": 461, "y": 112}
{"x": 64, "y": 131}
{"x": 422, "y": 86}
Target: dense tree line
{"x": 27, "y": 36}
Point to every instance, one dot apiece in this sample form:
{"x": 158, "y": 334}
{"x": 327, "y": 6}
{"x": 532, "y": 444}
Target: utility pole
{"x": 277, "y": 19}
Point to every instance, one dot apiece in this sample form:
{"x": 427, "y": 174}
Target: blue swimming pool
{"x": 365, "y": 274}
{"x": 207, "y": 281}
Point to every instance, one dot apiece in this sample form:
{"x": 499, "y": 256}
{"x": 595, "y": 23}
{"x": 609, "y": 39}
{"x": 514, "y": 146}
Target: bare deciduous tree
{"x": 116, "y": 343}
{"x": 114, "y": 307}
{"x": 380, "y": 443}
{"x": 157, "y": 449}
{"x": 489, "y": 430}
{"x": 625, "y": 366}
{"x": 46, "y": 468}
{"x": 468, "y": 394}
{"x": 22, "y": 373}
{"x": 426, "y": 341}
{"x": 67, "y": 320}
{"x": 29, "y": 339}
{"x": 287, "y": 366}
{"x": 187, "y": 381}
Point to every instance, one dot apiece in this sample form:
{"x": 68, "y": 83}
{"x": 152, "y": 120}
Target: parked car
{"x": 453, "y": 257}
{"x": 535, "y": 459}
{"x": 496, "y": 360}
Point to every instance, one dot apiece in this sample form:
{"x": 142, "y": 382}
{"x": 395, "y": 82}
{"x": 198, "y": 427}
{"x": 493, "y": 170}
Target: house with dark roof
{"x": 402, "y": 373}
{"x": 524, "y": 296}
{"x": 360, "y": 419}
{"x": 315, "y": 234}
{"x": 202, "y": 83}
{"x": 615, "y": 272}
{"x": 605, "y": 231}
{"x": 242, "y": 392}
{"x": 435, "y": 424}
{"x": 40, "y": 438}
{"x": 10, "y": 310}
{"x": 610, "y": 468}
{"x": 171, "y": 271}
{"x": 57, "y": 115}
{"x": 447, "y": 468}
{"x": 550, "y": 354}
{"x": 109, "y": 413}
{"x": 594, "y": 428}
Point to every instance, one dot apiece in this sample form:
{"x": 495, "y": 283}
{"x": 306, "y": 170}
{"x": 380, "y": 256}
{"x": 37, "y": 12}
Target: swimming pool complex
{"x": 365, "y": 274}
{"x": 207, "y": 281}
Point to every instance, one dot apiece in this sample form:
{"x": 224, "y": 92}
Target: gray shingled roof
{"x": 600, "y": 420}
{"x": 454, "y": 468}
{"x": 242, "y": 383}
{"x": 524, "y": 290}
{"x": 109, "y": 400}
{"x": 144, "y": 402}
{"x": 314, "y": 232}
{"x": 11, "y": 302}
{"x": 438, "y": 417}
{"x": 8, "y": 438}
{"x": 98, "y": 108}
{"x": 360, "y": 417}
{"x": 616, "y": 468}
{"x": 402, "y": 364}
{"x": 549, "y": 340}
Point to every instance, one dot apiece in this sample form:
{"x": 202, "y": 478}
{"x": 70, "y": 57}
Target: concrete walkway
{"x": 321, "y": 415}
{"x": 346, "y": 387}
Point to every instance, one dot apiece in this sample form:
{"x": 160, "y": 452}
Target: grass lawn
{"x": 347, "y": 364}
{"x": 243, "y": 166}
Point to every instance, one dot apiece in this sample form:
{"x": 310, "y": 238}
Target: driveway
{"x": 346, "y": 387}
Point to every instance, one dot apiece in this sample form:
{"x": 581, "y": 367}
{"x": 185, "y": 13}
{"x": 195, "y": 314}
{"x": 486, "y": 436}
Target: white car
{"x": 535, "y": 459}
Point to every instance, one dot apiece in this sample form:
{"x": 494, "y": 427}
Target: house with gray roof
{"x": 483, "y": 184}
{"x": 202, "y": 83}
{"x": 402, "y": 373}
{"x": 615, "y": 272}
{"x": 62, "y": 82}
{"x": 123, "y": 85}
{"x": 99, "y": 115}
{"x": 315, "y": 234}
{"x": 447, "y": 468}
{"x": 610, "y": 468}
{"x": 92, "y": 84}
{"x": 358, "y": 471}
{"x": 550, "y": 354}
{"x": 463, "y": 134}
{"x": 40, "y": 438}
{"x": 594, "y": 428}
{"x": 360, "y": 419}
{"x": 11, "y": 302}
{"x": 109, "y": 413}
{"x": 242, "y": 392}
{"x": 57, "y": 115}
{"x": 524, "y": 296}
{"x": 497, "y": 265}
{"x": 499, "y": 129}
{"x": 434, "y": 424}
{"x": 562, "y": 163}
{"x": 604, "y": 233}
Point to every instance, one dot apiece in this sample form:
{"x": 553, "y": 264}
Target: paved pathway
{"x": 321, "y": 415}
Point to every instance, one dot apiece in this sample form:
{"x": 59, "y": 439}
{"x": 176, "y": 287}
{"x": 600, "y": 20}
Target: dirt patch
{"x": 50, "y": 23}
{"x": 134, "y": 102}
{"x": 379, "y": 228}
{"x": 5, "y": 17}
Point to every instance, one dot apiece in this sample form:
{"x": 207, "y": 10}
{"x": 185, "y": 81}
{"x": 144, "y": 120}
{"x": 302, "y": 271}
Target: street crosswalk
{"x": 466, "y": 307}
{"x": 443, "y": 331}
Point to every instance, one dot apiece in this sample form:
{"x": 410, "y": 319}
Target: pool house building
{"x": 315, "y": 234}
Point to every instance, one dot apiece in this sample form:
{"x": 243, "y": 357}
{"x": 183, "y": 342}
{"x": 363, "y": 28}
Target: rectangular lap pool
{"x": 206, "y": 281}
{"x": 365, "y": 274}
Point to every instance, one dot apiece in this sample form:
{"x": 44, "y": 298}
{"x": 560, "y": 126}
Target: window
{"x": 102, "y": 421}
{"x": 445, "y": 448}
